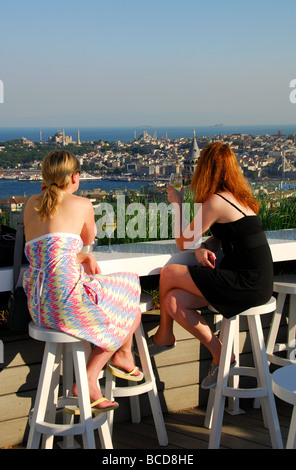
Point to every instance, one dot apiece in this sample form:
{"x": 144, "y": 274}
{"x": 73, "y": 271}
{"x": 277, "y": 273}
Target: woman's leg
{"x": 99, "y": 358}
{"x": 179, "y": 300}
{"x": 181, "y": 306}
{"x": 174, "y": 276}
{"x": 123, "y": 357}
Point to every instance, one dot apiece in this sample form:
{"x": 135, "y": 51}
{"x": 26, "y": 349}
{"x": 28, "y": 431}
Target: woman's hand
{"x": 89, "y": 263}
{"x": 205, "y": 257}
{"x": 174, "y": 195}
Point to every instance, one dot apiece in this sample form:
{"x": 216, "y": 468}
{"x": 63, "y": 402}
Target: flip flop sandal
{"x": 123, "y": 374}
{"x": 74, "y": 410}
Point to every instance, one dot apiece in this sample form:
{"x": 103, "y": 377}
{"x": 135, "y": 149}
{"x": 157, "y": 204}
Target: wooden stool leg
{"x": 209, "y": 411}
{"x": 109, "y": 393}
{"x": 153, "y": 393}
{"x": 292, "y": 325}
{"x": 291, "y": 442}
{"x": 233, "y": 402}
{"x": 135, "y": 402}
{"x": 43, "y": 389}
{"x": 105, "y": 436}
{"x": 264, "y": 380}
{"x": 52, "y": 403}
{"x": 275, "y": 324}
{"x": 68, "y": 442}
{"x": 83, "y": 395}
{"x": 223, "y": 374}
{"x": 210, "y": 405}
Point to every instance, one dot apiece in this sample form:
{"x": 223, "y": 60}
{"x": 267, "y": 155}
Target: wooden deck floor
{"x": 186, "y": 430}
{"x": 187, "y": 434}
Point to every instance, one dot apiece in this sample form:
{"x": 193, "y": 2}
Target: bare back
{"x": 74, "y": 215}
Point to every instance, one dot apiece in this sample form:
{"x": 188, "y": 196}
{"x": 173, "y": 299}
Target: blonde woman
{"x": 244, "y": 277}
{"x": 65, "y": 289}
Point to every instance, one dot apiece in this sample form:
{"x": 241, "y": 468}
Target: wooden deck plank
{"x": 186, "y": 431}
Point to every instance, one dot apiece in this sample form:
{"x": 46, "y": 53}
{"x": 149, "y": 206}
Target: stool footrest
{"x": 243, "y": 371}
{"x": 244, "y": 392}
{"x": 133, "y": 390}
{"x": 68, "y": 429}
{"x": 277, "y": 360}
{"x": 60, "y": 429}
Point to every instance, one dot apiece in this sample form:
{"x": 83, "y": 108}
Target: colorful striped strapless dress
{"x": 98, "y": 308}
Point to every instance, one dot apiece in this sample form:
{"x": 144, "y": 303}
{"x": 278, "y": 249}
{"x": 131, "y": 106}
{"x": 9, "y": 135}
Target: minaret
{"x": 40, "y": 137}
{"x": 63, "y": 137}
{"x": 78, "y": 137}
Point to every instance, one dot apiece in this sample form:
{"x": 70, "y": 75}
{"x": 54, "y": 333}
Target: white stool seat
{"x": 48, "y": 335}
{"x": 223, "y": 389}
{"x": 284, "y": 387}
{"x": 284, "y": 285}
{"x": 148, "y": 385}
{"x": 63, "y": 349}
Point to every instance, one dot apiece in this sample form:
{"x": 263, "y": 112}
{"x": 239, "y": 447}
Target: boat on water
{"x": 86, "y": 176}
{"x": 119, "y": 178}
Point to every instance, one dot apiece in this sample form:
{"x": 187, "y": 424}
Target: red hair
{"x": 217, "y": 170}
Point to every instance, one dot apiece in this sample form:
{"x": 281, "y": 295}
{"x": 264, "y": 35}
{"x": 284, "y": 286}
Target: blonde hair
{"x": 57, "y": 170}
{"x": 217, "y": 170}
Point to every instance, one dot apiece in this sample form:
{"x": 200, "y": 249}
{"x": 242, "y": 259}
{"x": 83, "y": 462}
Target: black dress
{"x": 244, "y": 278}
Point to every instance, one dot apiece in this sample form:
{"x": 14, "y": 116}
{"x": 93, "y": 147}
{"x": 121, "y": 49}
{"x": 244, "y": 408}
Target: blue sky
{"x": 164, "y": 62}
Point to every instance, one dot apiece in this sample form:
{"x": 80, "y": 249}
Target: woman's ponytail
{"x": 57, "y": 170}
{"x": 49, "y": 201}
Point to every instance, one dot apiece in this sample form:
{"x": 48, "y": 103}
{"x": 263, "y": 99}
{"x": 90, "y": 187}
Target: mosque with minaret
{"x": 61, "y": 138}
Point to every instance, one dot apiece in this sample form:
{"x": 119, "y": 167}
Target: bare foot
{"x": 163, "y": 340}
{"x": 124, "y": 360}
{"x": 95, "y": 395}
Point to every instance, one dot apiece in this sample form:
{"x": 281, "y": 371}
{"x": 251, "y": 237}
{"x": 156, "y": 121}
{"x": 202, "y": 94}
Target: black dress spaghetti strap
{"x": 244, "y": 278}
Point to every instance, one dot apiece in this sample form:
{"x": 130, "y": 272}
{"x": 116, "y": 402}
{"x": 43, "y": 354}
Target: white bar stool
{"x": 148, "y": 385}
{"x": 284, "y": 285}
{"x": 61, "y": 348}
{"x": 284, "y": 387}
{"x": 216, "y": 402}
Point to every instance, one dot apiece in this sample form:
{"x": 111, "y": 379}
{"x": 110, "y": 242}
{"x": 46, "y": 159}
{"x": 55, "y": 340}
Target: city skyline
{"x": 165, "y": 63}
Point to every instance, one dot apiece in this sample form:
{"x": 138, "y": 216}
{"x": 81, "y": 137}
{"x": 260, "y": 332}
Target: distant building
{"x": 191, "y": 159}
{"x": 131, "y": 167}
{"x": 26, "y": 142}
{"x": 12, "y": 204}
{"x": 60, "y": 138}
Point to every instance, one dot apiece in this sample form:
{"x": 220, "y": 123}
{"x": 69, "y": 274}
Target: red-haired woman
{"x": 244, "y": 277}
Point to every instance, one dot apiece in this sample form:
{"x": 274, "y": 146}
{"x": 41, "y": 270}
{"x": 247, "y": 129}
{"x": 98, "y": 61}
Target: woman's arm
{"x": 89, "y": 263}
{"x": 205, "y": 216}
{"x": 212, "y": 243}
{"x": 89, "y": 228}
{"x": 205, "y": 252}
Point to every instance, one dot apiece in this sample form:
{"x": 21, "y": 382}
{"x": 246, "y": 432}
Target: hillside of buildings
{"x": 267, "y": 161}
{"x": 260, "y": 157}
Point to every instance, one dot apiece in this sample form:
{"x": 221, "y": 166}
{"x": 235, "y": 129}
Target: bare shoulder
{"x": 213, "y": 203}
{"x": 32, "y": 202}
{"x": 83, "y": 202}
